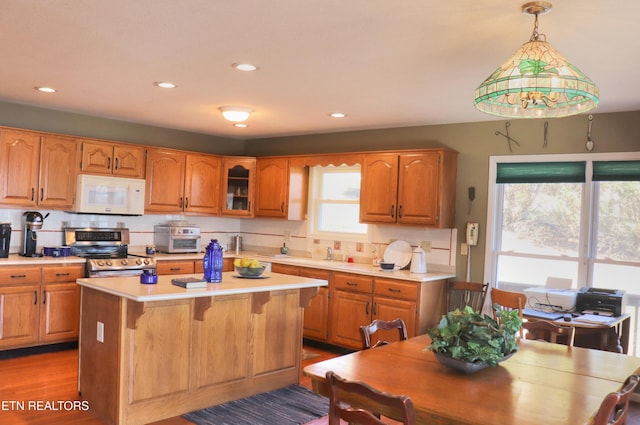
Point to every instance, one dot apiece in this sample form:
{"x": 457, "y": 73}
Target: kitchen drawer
{"x": 55, "y": 274}
{"x": 175, "y": 267}
{"x": 285, "y": 269}
{"x": 396, "y": 289}
{"x": 352, "y": 282}
{"x": 13, "y": 275}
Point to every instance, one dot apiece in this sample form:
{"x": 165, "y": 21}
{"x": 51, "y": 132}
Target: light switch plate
{"x": 464, "y": 248}
{"x": 100, "y": 332}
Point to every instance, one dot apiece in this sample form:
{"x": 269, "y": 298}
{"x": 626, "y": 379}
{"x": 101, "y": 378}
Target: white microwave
{"x": 109, "y": 195}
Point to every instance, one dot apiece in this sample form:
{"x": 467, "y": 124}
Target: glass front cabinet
{"x": 239, "y": 175}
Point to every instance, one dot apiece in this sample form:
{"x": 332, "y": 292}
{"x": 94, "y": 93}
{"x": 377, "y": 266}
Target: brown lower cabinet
{"x": 352, "y": 300}
{"x": 165, "y": 267}
{"x": 39, "y": 305}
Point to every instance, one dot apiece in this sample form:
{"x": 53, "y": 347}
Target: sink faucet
{"x": 329, "y": 253}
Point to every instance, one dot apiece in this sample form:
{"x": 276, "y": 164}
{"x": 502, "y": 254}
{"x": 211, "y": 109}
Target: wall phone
{"x": 472, "y": 234}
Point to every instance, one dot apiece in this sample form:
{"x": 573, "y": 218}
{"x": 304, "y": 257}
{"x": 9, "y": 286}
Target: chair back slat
{"x": 367, "y": 331}
{"x": 462, "y": 294}
{"x": 614, "y": 409}
{"x": 358, "y": 402}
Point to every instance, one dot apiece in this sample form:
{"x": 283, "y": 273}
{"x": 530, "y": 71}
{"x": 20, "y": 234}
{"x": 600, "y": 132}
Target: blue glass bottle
{"x": 213, "y": 262}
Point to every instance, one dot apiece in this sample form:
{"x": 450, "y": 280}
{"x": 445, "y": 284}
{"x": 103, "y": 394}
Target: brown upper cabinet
{"x": 179, "y": 181}
{"x": 281, "y": 189}
{"x": 409, "y": 188}
{"x": 37, "y": 170}
{"x": 238, "y": 176}
{"x": 115, "y": 159}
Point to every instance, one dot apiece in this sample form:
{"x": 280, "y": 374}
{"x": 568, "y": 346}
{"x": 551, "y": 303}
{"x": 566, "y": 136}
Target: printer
{"x": 548, "y": 299}
{"x": 611, "y": 302}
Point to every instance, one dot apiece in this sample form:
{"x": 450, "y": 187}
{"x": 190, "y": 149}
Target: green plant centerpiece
{"x": 469, "y": 341}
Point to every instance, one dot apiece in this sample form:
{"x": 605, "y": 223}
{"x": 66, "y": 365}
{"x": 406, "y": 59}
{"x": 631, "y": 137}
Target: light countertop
{"x": 357, "y": 268}
{"x": 131, "y": 288}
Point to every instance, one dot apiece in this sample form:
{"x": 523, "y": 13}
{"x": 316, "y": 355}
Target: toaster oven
{"x": 176, "y": 239}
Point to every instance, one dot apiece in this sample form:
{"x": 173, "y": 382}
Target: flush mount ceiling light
{"x": 165, "y": 84}
{"x": 235, "y": 113}
{"x": 337, "y": 115}
{"x": 44, "y": 89}
{"x": 536, "y": 81}
{"x": 244, "y": 67}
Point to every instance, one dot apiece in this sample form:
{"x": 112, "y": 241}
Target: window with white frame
{"x": 334, "y": 204}
{"x": 572, "y": 217}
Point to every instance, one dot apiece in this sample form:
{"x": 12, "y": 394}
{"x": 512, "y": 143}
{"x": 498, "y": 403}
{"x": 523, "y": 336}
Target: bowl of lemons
{"x": 247, "y": 267}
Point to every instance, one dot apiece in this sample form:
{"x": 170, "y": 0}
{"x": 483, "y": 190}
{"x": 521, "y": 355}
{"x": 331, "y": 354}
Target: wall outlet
{"x": 359, "y": 247}
{"x": 426, "y": 246}
{"x": 100, "y": 332}
{"x": 464, "y": 249}
{"x": 286, "y": 235}
{"x": 336, "y": 245}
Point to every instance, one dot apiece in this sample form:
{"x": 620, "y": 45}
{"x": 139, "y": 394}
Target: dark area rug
{"x": 292, "y": 405}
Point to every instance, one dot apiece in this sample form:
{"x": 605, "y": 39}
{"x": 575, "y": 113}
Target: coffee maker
{"x": 32, "y": 221}
{"x": 5, "y": 239}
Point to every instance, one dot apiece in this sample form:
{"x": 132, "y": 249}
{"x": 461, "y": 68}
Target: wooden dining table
{"x": 542, "y": 383}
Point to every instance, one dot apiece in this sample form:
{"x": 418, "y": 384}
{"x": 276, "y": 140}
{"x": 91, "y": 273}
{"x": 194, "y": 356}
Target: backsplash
{"x": 262, "y": 235}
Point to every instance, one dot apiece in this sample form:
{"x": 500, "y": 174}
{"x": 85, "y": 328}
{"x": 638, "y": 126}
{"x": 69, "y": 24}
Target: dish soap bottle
{"x": 283, "y": 249}
{"x": 213, "y": 262}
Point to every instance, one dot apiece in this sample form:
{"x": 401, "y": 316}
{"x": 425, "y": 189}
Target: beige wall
{"x": 475, "y": 142}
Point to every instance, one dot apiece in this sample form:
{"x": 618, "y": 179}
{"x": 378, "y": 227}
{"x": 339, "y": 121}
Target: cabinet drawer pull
{"x": 186, "y": 203}
{"x": 108, "y": 163}
{"x": 116, "y": 161}
{"x": 44, "y": 297}
{"x": 375, "y": 309}
{"x": 18, "y": 276}
{"x": 351, "y": 283}
{"x": 282, "y": 207}
{"x": 42, "y": 194}
{"x": 62, "y": 274}
{"x": 393, "y": 211}
{"x": 397, "y": 291}
{"x": 399, "y": 211}
{"x": 366, "y": 308}
{"x": 33, "y": 193}
{"x": 35, "y": 297}
{"x": 175, "y": 269}
{"x": 181, "y": 202}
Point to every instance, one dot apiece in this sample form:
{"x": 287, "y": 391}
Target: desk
{"x": 612, "y": 336}
{"x": 542, "y": 383}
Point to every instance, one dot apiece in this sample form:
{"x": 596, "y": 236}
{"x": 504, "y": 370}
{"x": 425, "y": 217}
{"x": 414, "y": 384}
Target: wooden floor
{"x": 41, "y": 389}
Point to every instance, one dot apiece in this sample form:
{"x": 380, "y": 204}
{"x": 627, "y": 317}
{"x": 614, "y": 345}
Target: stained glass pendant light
{"x": 536, "y": 81}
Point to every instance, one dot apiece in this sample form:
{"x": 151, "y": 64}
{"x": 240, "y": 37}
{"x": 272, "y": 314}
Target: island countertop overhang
{"x": 130, "y": 287}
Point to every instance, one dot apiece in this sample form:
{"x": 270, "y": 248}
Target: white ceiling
{"x": 386, "y": 63}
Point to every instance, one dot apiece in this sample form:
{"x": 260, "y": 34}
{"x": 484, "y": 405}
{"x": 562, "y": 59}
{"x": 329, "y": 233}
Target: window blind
{"x": 541, "y": 172}
{"x": 616, "y": 171}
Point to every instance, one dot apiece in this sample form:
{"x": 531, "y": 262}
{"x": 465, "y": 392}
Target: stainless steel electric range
{"x": 106, "y": 251}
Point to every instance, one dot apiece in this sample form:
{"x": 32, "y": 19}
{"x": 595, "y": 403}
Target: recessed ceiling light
{"x": 45, "y": 89}
{"x": 337, "y": 115}
{"x": 165, "y": 84}
{"x": 244, "y": 67}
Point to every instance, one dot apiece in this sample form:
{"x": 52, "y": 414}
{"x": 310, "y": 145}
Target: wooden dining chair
{"x": 358, "y": 402}
{"x": 367, "y": 331}
{"x": 462, "y": 294}
{"x": 508, "y": 300}
{"x": 614, "y": 409}
{"x": 547, "y": 331}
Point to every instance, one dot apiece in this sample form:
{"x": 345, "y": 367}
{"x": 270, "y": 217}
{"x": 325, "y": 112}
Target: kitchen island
{"x": 149, "y": 352}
